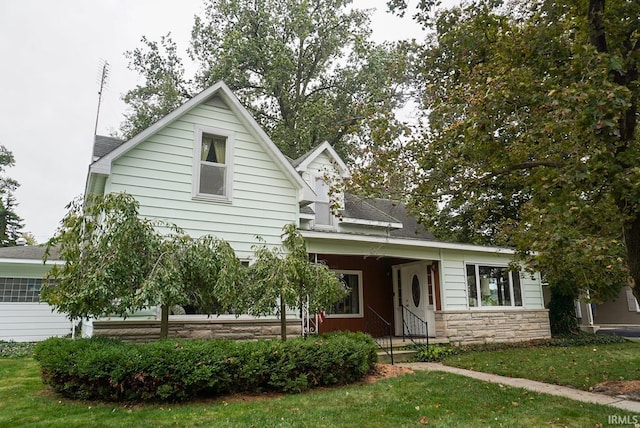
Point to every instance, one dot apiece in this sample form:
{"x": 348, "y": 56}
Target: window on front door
{"x": 489, "y": 286}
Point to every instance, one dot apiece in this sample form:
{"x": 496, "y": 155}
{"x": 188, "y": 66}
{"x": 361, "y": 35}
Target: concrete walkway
{"x": 532, "y": 385}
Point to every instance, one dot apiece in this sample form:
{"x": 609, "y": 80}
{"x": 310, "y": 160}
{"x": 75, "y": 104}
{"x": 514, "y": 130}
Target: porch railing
{"x": 381, "y": 330}
{"x": 414, "y": 328}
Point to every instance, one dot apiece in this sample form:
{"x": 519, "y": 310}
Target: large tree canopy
{"x": 531, "y": 136}
{"x": 306, "y": 69}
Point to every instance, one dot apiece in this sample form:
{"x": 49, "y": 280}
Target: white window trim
{"x": 478, "y": 291}
{"x": 360, "y": 313}
{"x": 332, "y": 219}
{"x": 197, "y": 149}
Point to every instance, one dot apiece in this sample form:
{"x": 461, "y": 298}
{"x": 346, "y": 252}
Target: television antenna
{"x": 103, "y": 77}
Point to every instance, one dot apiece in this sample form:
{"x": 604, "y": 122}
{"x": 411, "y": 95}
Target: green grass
{"x": 578, "y": 366}
{"x": 438, "y": 399}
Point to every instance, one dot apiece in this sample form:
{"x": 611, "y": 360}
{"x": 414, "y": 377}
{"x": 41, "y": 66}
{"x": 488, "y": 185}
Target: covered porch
{"x": 400, "y": 283}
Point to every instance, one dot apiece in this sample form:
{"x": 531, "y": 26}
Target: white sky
{"x": 51, "y": 53}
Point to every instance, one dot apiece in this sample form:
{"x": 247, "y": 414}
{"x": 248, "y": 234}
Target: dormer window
{"x": 322, "y": 204}
{"x": 212, "y": 164}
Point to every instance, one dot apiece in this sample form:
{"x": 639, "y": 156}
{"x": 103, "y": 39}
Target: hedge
{"x": 179, "y": 370}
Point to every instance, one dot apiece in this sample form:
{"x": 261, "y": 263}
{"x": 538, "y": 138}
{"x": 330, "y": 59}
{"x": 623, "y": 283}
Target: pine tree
{"x": 10, "y": 223}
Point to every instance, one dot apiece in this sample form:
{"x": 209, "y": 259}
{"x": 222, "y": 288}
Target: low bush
{"x": 435, "y": 353}
{"x": 440, "y": 352}
{"x": 16, "y": 349}
{"x": 179, "y": 370}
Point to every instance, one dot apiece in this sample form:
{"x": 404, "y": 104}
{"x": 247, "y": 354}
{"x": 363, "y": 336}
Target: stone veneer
{"x": 485, "y": 326}
{"x": 215, "y": 328}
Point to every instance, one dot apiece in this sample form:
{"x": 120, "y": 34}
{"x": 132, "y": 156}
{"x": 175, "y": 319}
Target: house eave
{"x": 30, "y": 262}
{"x": 407, "y": 242}
{"x": 372, "y": 223}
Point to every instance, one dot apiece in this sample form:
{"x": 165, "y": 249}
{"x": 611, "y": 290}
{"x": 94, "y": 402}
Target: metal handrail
{"x": 415, "y": 327}
{"x": 379, "y": 328}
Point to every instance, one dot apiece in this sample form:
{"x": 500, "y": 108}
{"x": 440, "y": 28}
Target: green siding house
{"x": 209, "y": 168}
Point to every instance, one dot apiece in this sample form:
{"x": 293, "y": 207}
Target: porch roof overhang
{"x": 382, "y": 246}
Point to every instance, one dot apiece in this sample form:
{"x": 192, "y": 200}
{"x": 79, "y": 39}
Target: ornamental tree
{"x": 285, "y": 279}
{"x": 116, "y": 262}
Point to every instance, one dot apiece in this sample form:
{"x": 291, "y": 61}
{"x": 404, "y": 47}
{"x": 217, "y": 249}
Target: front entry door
{"x": 414, "y": 289}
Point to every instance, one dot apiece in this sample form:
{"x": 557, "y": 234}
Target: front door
{"x": 414, "y": 289}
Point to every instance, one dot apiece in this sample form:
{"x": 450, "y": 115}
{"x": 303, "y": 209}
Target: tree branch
{"x": 520, "y": 167}
{"x": 596, "y": 25}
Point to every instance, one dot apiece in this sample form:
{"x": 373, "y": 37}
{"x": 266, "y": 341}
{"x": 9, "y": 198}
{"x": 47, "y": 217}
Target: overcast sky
{"x": 51, "y": 53}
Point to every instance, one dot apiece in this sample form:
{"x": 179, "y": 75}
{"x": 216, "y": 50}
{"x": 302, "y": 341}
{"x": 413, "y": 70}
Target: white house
{"x": 209, "y": 168}
{"x": 23, "y": 318}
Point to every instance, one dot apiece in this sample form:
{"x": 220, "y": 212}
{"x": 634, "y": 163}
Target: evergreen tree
{"x": 10, "y": 223}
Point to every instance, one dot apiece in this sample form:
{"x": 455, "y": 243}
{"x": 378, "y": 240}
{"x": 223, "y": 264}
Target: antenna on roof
{"x": 102, "y": 78}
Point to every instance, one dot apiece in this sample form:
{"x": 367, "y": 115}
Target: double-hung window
{"x": 212, "y": 164}
{"x": 489, "y": 286}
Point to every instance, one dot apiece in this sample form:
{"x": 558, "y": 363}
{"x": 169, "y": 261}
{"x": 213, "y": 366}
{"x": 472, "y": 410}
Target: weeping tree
{"x": 116, "y": 262}
{"x": 285, "y": 279}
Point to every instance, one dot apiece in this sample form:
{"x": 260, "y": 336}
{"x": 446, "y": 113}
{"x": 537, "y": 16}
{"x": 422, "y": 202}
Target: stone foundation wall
{"x": 477, "y": 326}
{"x": 215, "y": 328}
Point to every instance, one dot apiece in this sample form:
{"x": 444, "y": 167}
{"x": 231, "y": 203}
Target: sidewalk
{"x": 532, "y": 385}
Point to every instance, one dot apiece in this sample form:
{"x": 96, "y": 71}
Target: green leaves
{"x": 117, "y": 263}
{"x": 529, "y": 137}
{"x": 306, "y": 70}
{"x": 290, "y": 277}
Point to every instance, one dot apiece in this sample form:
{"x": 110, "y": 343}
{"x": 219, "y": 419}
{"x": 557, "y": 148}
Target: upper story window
{"x": 323, "y": 203}
{"x": 212, "y": 164}
{"x": 493, "y": 286}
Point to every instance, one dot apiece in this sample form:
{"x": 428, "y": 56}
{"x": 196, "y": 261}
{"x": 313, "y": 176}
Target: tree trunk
{"x": 164, "y": 322}
{"x": 632, "y": 244}
{"x": 283, "y": 319}
{"x": 562, "y": 312}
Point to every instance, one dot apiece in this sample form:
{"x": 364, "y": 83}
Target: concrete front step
{"x": 397, "y": 342}
{"x": 399, "y": 356}
{"x": 402, "y": 355}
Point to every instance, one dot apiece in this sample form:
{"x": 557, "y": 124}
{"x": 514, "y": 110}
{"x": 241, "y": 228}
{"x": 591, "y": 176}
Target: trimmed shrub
{"x": 179, "y": 370}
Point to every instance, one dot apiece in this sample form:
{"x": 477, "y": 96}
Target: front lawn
{"x": 423, "y": 398}
{"x": 578, "y": 366}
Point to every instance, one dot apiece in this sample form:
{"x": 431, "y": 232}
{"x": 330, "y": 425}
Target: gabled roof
{"x": 102, "y": 166}
{"x": 357, "y": 207}
{"x": 103, "y": 145}
{"x": 27, "y": 253}
{"x": 410, "y": 226}
{"x": 385, "y": 211}
{"x": 302, "y": 163}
